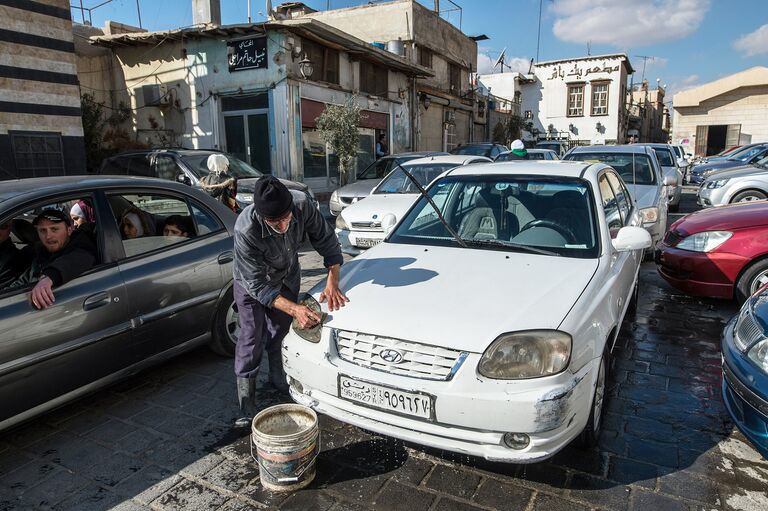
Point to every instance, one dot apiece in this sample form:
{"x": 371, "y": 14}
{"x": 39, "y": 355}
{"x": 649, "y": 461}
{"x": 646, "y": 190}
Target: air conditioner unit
{"x": 449, "y": 116}
{"x": 155, "y": 94}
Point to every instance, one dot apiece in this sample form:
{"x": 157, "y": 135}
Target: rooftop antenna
{"x": 538, "y": 33}
{"x": 589, "y": 47}
{"x": 645, "y": 58}
{"x": 500, "y": 60}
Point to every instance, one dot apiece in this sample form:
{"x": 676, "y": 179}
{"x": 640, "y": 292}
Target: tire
{"x": 749, "y": 196}
{"x": 591, "y": 434}
{"x": 751, "y": 279}
{"x": 225, "y": 327}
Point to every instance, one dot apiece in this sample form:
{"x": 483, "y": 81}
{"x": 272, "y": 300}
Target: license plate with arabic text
{"x": 367, "y": 242}
{"x": 413, "y": 404}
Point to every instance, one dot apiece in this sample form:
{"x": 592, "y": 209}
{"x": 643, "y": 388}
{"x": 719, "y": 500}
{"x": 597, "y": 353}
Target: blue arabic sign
{"x": 247, "y": 54}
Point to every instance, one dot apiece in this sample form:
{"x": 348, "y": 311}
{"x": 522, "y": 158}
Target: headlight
{"x": 341, "y": 224}
{"x": 650, "y": 215}
{"x": 759, "y": 354}
{"x": 310, "y": 334}
{"x": 704, "y": 241}
{"x": 334, "y": 197}
{"x": 717, "y": 183}
{"x": 521, "y": 355}
{"x": 243, "y": 197}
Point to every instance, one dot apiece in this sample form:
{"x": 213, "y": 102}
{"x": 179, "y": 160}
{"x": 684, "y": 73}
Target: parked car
{"x": 745, "y": 370}
{"x": 487, "y": 149}
{"x": 669, "y": 168}
{"x": 741, "y": 184}
{"x": 718, "y": 252}
{"x": 188, "y": 166}
{"x": 745, "y": 156}
{"x": 683, "y": 161}
{"x": 558, "y": 146}
{"x": 640, "y": 169}
{"x": 498, "y": 348}
{"x": 360, "y": 225}
{"x": 533, "y": 154}
{"x": 147, "y": 299}
{"x": 369, "y": 178}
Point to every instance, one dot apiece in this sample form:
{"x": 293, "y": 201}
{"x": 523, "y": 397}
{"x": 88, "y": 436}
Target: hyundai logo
{"x": 391, "y": 356}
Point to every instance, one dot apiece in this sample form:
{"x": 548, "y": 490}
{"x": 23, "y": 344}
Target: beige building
{"x": 724, "y": 113}
{"x": 447, "y": 113}
{"x": 41, "y": 129}
{"x": 648, "y": 116}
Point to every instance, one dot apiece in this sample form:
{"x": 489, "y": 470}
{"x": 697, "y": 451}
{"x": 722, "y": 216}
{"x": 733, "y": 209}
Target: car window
{"x": 138, "y": 165}
{"x": 398, "y": 182}
{"x": 623, "y": 197}
{"x": 746, "y": 154}
{"x": 610, "y": 206}
{"x": 152, "y": 221}
{"x": 167, "y": 168}
{"x": 378, "y": 169}
{"x": 664, "y": 156}
{"x": 632, "y": 167}
{"x": 472, "y": 150}
{"x": 198, "y": 164}
{"x": 535, "y": 156}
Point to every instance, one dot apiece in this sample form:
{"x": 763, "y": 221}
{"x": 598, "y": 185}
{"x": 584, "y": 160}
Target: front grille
{"x": 367, "y": 226}
{"x": 418, "y": 360}
{"x": 747, "y": 330}
{"x": 346, "y": 200}
{"x": 672, "y": 238}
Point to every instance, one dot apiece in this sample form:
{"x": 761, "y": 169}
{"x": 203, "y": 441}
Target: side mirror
{"x": 688, "y": 156}
{"x": 184, "y": 179}
{"x": 669, "y": 181}
{"x": 631, "y": 238}
{"x": 388, "y": 223}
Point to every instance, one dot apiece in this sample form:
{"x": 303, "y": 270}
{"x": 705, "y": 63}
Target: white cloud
{"x": 623, "y": 24}
{"x": 690, "y": 79}
{"x": 485, "y": 64}
{"x": 755, "y": 43}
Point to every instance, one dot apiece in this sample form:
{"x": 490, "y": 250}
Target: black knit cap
{"x": 52, "y": 215}
{"x": 271, "y": 198}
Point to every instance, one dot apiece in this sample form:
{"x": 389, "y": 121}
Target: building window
{"x": 575, "y": 100}
{"x": 373, "y": 79}
{"x": 600, "y": 98}
{"x": 425, "y": 57}
{"x": 528, "y": 114}
{"x": 454, "y": 78}
{"x": 325, "y": 62}
{"x": 37, "y": 154}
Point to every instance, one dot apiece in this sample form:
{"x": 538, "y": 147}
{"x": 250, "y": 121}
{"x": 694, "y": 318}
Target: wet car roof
{"x": 557, "y": 168}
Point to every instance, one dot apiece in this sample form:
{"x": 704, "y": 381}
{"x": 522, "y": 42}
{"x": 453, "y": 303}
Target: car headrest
{"x": 568, "y": 199}
{"x": 24, "y": 231}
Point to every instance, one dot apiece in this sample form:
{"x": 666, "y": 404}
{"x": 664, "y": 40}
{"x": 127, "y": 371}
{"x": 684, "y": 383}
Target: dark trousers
{"x": 260, "y": 328}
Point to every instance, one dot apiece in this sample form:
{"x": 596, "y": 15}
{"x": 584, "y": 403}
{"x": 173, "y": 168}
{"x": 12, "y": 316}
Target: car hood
{"x": 718, "y": 165}
{"x": 375, "y": 207}
{"x": 645, "y": 195}
{"x": 742, "y": 171}
{"x": 441, "y": 295}
{"x": 723, "y": 218}
{"x": 360, "y": 188}
{"x": 245, "y": 185}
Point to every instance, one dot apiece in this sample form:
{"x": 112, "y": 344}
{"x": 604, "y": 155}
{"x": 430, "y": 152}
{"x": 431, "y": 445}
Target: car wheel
{"x": 225, "y": 326}
{"x": 591, "y": 433}
{"x": 752, "y": 279}
{"x": 749, "y": 196}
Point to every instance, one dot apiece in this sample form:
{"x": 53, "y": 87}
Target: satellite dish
{"x": 500, "y": 60}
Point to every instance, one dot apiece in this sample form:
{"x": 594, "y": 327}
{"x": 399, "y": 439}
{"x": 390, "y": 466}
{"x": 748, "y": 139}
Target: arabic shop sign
{"x": 579, "y": 72}
{"x": 247, "y": 54}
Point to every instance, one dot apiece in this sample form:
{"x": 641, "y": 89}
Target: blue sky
{"x": 691, "y": 41}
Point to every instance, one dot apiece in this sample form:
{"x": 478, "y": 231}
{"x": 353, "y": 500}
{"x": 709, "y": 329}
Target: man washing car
{"x": 267, "y": 275}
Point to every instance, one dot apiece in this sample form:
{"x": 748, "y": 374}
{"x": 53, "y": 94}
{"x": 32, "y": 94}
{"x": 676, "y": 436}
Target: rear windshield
{"x": 198, "y": 164}
{"x": 634, "y": 168}
{"x": 664, "y": 156}
{"x": 472, "y": 150}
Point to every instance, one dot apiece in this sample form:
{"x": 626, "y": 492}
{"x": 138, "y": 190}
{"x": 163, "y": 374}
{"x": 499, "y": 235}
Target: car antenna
{"x": 424, "y": 194}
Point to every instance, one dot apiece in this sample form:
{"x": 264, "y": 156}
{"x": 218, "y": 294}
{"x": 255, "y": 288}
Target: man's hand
{"x": 42, "y": 293}
{"x": 332, "y": 292}
{"x": 305, "y": 316}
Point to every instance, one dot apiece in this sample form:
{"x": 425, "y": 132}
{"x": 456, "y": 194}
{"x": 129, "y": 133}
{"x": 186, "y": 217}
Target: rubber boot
{"x": 246, "y": 398}
{"x": 276, "y": 373}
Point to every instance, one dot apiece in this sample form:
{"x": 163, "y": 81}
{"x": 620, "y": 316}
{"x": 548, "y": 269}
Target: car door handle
{"x": 226, "y": 257}
{"x": 96, "y": 301}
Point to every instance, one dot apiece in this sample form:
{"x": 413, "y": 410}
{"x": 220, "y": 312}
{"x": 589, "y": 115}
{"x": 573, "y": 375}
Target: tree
{"x": 515, "y": 127}
{"x": 102, "y": 135}
{"x": 499, "y": 134}
{"x": 338, "y": 126}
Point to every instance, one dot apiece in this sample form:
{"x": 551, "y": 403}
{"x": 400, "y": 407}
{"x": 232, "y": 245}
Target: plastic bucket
{"x": 287, "y": 442}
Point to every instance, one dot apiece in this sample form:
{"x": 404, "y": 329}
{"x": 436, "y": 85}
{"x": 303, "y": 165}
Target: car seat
{"x": 569, "y": 209}
{"x": 24, "y": 231}
{"x": 489, "y": 219}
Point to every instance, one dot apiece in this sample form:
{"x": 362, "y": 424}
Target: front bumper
{"x": 356, "y": 242}
{"x": 471, "y": 413}
{"x": 710, "y": 197}
{"x": 709, "y": 274}
{"x": 747, "y": 407}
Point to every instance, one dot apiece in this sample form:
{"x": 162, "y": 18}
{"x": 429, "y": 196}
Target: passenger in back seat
{"x": 11, "y": 258}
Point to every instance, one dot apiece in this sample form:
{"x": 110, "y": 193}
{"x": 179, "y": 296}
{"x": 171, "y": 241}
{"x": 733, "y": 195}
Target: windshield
{"x": 398, "y": 182}
{"x": 634, "y": 168}
{"x": 198, "y": 164}
{"x": 664, "y": 156}
{"x": 473, "y": 150}
{"x": 550, "y": 146}
{"x": 509, "y": 213}
{"x": 746, "y": 154}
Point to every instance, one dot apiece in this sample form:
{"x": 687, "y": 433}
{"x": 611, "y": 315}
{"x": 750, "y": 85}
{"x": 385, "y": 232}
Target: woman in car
{"x": 136, "y": 223}
{"x": 82, "y": 213}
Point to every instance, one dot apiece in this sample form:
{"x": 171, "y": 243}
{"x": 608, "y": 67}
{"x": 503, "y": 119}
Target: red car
{"x": 719, "y": 252}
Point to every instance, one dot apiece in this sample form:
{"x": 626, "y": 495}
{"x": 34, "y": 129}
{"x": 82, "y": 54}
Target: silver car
{"x": 667, "y": 157}
{"x": 150, "y": 295}
{"x": 742, "y": 184}
{"x": 639, "y": 168}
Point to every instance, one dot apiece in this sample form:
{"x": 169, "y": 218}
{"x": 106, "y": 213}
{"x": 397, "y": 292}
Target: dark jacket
{"x": 12, "y": 262}
{"x": 265, "y": 261}
{"x": 77, "y": 257}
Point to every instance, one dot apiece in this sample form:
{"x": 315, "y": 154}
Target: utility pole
{"x": 138, "y": 11}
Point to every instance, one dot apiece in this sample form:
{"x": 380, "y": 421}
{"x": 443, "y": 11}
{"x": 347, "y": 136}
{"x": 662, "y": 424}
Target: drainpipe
{"x": 414, "y": 112}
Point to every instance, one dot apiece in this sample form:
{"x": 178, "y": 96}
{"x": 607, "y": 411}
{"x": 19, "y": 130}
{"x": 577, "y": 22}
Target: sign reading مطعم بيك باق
{"x": 579, "y": 73}
{"x": 247, "y": 54}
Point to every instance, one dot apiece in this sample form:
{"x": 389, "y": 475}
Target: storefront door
{"x": 246, "y": 130}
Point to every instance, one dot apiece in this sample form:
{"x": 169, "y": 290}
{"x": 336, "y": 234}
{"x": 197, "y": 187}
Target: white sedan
{"x": 487, "y": 332}
{"x": 361, "y": 225}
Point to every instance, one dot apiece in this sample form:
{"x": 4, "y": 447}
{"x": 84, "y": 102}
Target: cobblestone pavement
{"x": 162, "y": 440}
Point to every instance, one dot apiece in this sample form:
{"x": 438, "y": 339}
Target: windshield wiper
{"x": 507, "y": 244}
{"x": 424, "y": 194}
